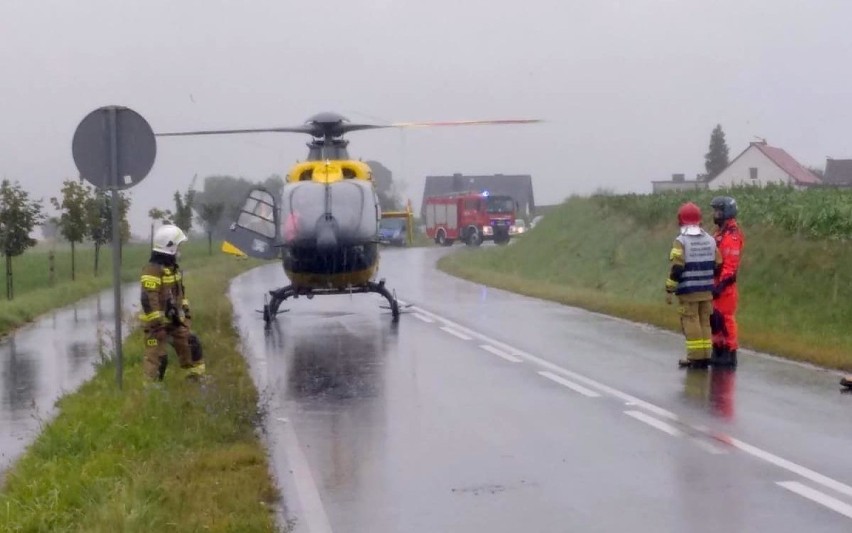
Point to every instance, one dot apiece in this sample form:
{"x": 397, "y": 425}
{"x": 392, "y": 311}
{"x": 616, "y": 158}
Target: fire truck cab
{"x": 471, "y": 217}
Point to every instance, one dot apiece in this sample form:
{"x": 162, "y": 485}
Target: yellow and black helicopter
{"x": 325, "y": 226}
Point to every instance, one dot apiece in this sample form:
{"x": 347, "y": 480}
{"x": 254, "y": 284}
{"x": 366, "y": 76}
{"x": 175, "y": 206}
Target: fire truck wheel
{"x": 474, "y": 238}
{"x": 441, "y": 238}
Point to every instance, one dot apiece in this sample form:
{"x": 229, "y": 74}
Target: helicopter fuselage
{"x": 329, "y": 215}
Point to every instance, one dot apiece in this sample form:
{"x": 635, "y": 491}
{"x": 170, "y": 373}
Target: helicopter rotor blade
{"x": 345, "y": 128}
{"x": 465, "y": 123}
{"x": 297, "y": 129}
{"x": 336, "y": 128}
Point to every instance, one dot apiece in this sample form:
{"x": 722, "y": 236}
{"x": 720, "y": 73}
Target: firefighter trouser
{"x": 154, "y": 364}
{"x": 725, "y": 324}
{"x": 695, "y": 323}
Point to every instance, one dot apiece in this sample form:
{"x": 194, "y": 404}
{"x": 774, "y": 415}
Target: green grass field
{"x": 795, "y": 290}
{"x": 182, "y": 458}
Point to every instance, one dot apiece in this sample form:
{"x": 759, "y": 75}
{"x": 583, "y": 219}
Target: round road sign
{"x": 114, "y": 148}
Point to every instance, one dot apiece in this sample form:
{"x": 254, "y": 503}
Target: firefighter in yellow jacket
{"x": 694, "y": 258}
{"x": 165, "y": 309}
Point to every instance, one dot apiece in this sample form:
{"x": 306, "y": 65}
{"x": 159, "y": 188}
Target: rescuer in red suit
{"x": 729, "y": 241}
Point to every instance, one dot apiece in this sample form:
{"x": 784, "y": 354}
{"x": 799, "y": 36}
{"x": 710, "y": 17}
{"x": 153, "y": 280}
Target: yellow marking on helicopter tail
{"x": 337, "y": 281}
{"x": 229, "y": 248}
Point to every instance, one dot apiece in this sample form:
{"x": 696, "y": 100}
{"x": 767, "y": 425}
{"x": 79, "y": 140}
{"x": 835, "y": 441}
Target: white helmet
{"x": 167, "y": 238}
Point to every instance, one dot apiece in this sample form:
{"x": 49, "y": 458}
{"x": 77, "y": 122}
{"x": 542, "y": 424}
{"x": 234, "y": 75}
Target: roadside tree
{"x": 73, "y": 219}
{"x": 210, "y": 214}
{"x": 18, "y": 217}
{"x": 99, "y": 222}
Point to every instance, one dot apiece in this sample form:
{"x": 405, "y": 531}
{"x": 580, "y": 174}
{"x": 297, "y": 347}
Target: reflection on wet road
{"x": 44, "y": 360}
{"x": 485, "y": 411}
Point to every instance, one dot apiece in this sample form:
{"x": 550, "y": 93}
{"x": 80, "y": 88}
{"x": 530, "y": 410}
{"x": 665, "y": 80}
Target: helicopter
{"x": 324, "y": 228}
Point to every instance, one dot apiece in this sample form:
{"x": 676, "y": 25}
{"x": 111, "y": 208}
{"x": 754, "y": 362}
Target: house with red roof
{"x": 761, "y": 164}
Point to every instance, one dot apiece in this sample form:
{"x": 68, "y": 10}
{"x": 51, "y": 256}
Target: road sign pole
{"x": 114, "y": 149}
{"x": 116, "y": 243}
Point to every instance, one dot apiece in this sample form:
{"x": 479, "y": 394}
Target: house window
{"x": 752, "y": 173}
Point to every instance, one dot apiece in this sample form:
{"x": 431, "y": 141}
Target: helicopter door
{"x": 255, "y": 232}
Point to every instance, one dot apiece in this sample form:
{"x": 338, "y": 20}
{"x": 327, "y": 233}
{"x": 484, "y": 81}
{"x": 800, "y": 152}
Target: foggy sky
{"x": 631, "y": 89}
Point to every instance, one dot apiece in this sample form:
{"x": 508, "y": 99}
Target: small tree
{"x": 183, "y": 209}
{"x": 105, "y": 214}
{"x": 123, "y": 224}
{"x": 99, "y": 222}
{"x": 18, "y": 217}
{"x": 210, "y": 214}
{"x": 716, "y": 159}
{"x": 73, "y": 221}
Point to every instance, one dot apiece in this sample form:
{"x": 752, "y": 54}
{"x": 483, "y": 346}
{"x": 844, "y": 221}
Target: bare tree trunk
{"x": 51, "y": 259}
{"x": 73, "y": 264}
{"x": 209, "y": 243}
{"x": 97, "y": 257}
{"x": 10, "y": 294}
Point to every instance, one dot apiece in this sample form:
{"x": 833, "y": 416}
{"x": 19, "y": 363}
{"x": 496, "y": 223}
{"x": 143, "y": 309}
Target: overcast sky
{"x": 631, "y": 89}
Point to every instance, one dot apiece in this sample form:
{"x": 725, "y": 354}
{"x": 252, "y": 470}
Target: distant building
{"x": 760, "y": 165}
{"x": 838, "y": 173}
{"x": 678, "y": 183}
{"x": 518, "y": 186}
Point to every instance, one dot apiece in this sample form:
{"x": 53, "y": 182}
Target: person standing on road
{"x": 693, "y": 260}
{"x": 165, "y": 309}
{"x": 729, "y": 240}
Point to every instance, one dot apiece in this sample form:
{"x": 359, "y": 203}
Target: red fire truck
{"x": 471, "y": 217}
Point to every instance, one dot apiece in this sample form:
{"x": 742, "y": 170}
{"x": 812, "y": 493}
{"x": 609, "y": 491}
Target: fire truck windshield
{"x": 500, "y": 204}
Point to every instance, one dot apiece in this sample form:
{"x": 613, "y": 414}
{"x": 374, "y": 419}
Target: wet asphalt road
{"x": 486, "y": 411}
{"x": 48, "y": 358}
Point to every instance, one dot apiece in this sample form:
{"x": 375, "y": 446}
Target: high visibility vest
{"x": 699, "y": 257}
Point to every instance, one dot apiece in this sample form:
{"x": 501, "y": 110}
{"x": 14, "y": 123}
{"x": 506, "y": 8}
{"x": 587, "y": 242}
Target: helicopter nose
{"x": 326, "y": 235}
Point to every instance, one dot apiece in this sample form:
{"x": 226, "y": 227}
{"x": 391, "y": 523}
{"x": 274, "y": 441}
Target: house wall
{"x": 665, "y": 186}
{"x": 738, "y": 172}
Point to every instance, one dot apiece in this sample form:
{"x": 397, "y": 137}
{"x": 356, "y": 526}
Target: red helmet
{"x": 689, "y": 214}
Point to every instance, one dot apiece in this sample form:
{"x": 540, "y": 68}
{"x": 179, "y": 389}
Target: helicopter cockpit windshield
{"x": 258, "y": 214}
{"x": 499, "y": 204}
{"x": 349, "y": 205}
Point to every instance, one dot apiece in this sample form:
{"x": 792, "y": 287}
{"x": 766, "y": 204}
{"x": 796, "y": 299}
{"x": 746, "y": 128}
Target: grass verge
{"x": 182, "y": 458}
{"x": 795, "y": 293}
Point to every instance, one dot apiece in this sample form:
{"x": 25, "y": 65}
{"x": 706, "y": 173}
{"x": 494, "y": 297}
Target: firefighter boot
{"x": 693, "y": 363}
{"x": 847, "y": 381}
{"x": 723, "y": 357}
{"x": 197, "y": 372}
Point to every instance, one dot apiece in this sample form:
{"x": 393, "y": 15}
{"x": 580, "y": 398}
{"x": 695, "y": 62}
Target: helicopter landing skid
{"x": 270, "y": 309}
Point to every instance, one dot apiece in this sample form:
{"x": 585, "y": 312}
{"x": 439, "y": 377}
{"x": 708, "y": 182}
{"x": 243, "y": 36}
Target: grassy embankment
{"x": 610, "y": 254}
{"x": 184, "y": 458}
